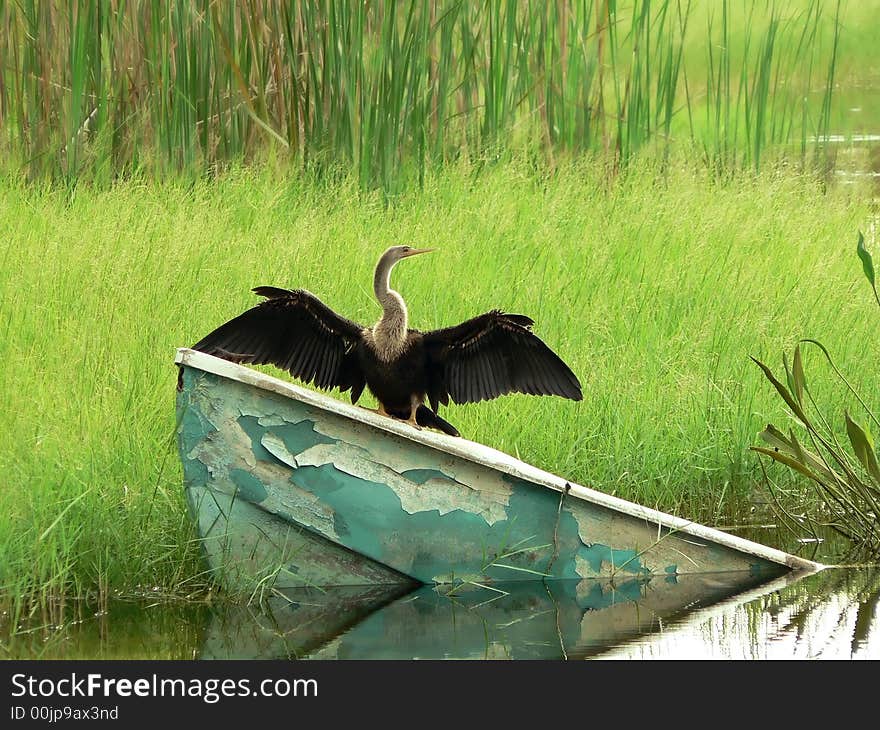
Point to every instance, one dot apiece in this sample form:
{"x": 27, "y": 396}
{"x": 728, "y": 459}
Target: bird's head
{"x": 396, "y": 253}
{"x": 382, "y": 277}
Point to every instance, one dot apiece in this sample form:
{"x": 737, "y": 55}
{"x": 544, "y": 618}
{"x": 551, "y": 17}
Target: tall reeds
{"x": 97, "y": 88}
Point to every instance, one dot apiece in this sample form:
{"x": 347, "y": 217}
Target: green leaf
{"x": 811, "y": 461}
{"x": 791, "y": 448}
{"x": 867, "y": 263}
{"x": 789, "y": 461}
{"x": 788, "y": 379}
{"x": 798, "y": 375}
{"x": 776, "y": 438}
{"x": 784, "y": 392}
{"x": 863, "y": 447}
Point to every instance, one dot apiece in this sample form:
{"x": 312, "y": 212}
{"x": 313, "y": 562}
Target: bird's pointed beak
{"x": 414, "y": 251}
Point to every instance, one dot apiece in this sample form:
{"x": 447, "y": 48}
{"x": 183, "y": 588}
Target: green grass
{"x": 655, "y": 289}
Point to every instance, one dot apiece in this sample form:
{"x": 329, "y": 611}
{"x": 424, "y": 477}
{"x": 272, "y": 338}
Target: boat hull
{"x": 291, "y": 488}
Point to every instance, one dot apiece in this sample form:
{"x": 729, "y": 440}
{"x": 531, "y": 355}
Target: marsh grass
{"x": 96, "y": 89}
{"x": 98, "y": 288}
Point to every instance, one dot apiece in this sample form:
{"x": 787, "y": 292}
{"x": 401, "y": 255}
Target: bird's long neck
{"x": 389, "y": 333}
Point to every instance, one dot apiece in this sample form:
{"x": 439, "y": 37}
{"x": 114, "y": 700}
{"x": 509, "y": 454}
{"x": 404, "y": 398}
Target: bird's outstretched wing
{"x": 295, "y": 331}
{"x": 494, "y": 354}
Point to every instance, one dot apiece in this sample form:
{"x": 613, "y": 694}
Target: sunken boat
{"x": 290, "y": 488}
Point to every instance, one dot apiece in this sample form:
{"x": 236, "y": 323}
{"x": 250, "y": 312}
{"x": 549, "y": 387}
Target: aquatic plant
{"x": 847, "y": 481}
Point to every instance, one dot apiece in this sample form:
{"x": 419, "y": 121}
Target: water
{"x": 829, "y": 615}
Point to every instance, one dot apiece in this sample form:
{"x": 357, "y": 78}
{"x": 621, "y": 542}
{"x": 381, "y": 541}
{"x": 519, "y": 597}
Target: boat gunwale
{"x": 486, "y": 456}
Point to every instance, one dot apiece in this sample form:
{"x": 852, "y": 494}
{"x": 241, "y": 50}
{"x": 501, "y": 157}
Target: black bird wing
{"x": 490, "y": 355}
{"x": 295, "y": 331}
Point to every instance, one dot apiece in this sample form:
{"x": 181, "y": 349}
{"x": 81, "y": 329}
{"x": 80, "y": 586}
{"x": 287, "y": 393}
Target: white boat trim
{"x": 486, "y": 456}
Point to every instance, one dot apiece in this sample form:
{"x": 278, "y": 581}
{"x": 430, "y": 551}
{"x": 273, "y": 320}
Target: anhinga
{"x": 482, "y": 358}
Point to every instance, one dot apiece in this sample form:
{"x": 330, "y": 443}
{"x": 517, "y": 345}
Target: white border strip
{"x": 484, "y": 455}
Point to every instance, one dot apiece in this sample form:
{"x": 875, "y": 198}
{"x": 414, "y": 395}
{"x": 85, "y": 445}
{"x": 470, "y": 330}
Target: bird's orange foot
{"x": 379, "y": 411}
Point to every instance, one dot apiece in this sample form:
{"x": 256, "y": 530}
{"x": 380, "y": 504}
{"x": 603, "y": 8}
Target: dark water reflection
{"x": 829, "y": 615}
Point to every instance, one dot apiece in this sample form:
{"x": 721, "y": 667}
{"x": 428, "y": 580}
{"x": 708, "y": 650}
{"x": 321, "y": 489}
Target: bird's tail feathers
{"x": 426, "y": 418}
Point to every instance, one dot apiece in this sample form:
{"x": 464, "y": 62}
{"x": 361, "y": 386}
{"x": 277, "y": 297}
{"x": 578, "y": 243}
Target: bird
{"x": 490, "y": 355}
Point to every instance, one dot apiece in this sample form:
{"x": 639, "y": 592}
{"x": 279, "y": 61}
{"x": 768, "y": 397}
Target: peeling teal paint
{"x": 569, "y": 543}
{"x": 249, "y": 487}
{"x": 377, "y": 526}
{"x": 297, "y": 437}
{"x": 596, "y": 555}
{"x": 193, "y": 424}
{"x": 462, "y": 543}
{"x": 420, "y": 476}
{"x": 195, "y": 472}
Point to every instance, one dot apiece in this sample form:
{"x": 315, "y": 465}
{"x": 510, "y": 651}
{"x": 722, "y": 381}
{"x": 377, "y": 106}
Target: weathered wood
{"x": 288, "y": 484}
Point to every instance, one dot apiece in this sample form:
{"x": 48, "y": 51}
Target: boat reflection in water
{"x": 832, "y": 614}
{"x": 558, "y": 619}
